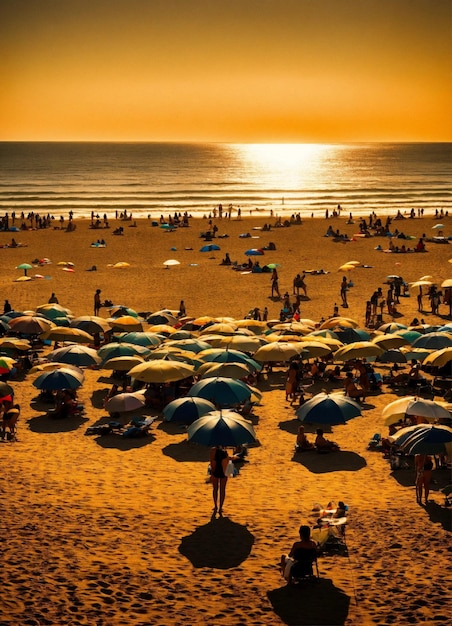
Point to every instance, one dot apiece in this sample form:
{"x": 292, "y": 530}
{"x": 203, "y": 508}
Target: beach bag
{"x": 229, "y": 473}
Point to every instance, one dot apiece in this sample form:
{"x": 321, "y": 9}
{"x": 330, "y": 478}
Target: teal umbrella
{"x": 59, "y": 379}
{"x": 433, "y": 341}
{"x": 187, "y": 410}
{"x": 325, "y": 408}
{"x": 223, "y": 392}
{"x": 111, "y": 350}
{"x": 221, "y": 428}
{"x": 220, "y": 355}
{"x": 140, "y": 338}
{"x": 81, "y": 356}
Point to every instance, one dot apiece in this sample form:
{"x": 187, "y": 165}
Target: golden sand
{"x": 109, "y": 531}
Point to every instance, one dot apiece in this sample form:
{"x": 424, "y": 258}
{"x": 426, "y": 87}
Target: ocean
{"x": 153, "y": 179}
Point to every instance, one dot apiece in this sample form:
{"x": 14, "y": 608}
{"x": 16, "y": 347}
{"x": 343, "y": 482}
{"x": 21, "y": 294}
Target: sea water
{"x": 153, "y": 179}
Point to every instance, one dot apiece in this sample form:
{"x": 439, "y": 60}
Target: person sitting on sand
{"x": 302, "y": 442}
{"x": 299, "y": 561}
{"x": 324, "y": 445}
{"x": 351, "y": 390}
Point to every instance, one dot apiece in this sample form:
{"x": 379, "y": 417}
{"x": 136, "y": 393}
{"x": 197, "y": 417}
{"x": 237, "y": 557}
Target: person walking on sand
{"x": 97, "y": 302}
{"x": 219, "y": 460}
{"x": 344, "y": 287}
{"x": 275, "y": 286}
{"x": 423, "y": 465}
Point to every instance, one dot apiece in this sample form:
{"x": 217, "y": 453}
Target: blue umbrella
{"x": 113, "y": 349}
{"x": 221, "y": 428}
{"x": 59, "y": 379}
{"x": 392, "y": 356}
{"x": 350, "y": 335}
{"x": 433, "y": 341}
{"x": 219, "y": 355}
{"x": 254, "y": 252}
{"x": 423, "y": 439}
{"x": 223, "y": 392}
{"x": 140, "y": 338}
{"x": 187, "y": 410}
{"x": 211, "y": 247}
{"x": 81, "y": 356}
{"x": 325, "y": 408}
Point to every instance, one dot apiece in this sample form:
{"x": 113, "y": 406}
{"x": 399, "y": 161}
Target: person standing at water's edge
{"x": 219, "y": 460}
{"x": 97, "y": 302}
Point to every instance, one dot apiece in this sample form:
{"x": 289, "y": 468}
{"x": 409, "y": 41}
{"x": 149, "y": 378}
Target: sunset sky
{"x": 235, "y": 71}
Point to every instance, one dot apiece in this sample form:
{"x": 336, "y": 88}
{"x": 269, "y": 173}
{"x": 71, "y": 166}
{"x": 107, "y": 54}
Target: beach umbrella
{"x": 115, "y": 349}
{"x": 48, "y": 366}
{"x": 182, "y": 334}
{"x": 418, "y": 354}
{"x": 427, "y": 408}
{"x": 124, "y": 402}
{"x": 345, "y": 322}
{"x": 148, "y": 340}
{"x": 326, "y": 333}
{"x": 160, "y": 371}
{"x": 392, "y": 356}
{"x": 25, "y": 267}
{"x": 437, "y": 226}
{"x": 328, "y": 408}
{"x": 170, "y": 263}
{"x": 30, "y": 325}
{"x": 439, "y": 358}
{"x": 277, "y": 352}
{"x": 7, "y": 363}
{"x": 423, "y": 439}
{"x": 61, "y": 378}
{"x": 358, "y": 350}
{"x": 162, "y": 329}
{"x": 4, "y": 327}
{"x": 119, "y": 310}
{"x": 409, "y": 335}
{"x": 254, "y": 252}
{"x": 13, "y": 343}
{"x": 350, "y": 335}
{"x": 228, "y": 356}
{"x": 174, "y": 354}
{"x": 126, "y": 323}
{"x": 433, "y": 341}
{"x": 190, "y": 345}
{"x": 314, "y": 349}
{"x": 52, "y": 311}
{"x": 396, "y": 410}
{"x": 346, "y": 268}
{"x": 221, "y": 428}
{"x": 221, "y": 391}
{"x": 162, "y": 317}
{"x": 211, "y": 247}
{"x": 120, "y": 265}
{"x": 421, "y": 283}
{"x": 242, "y": 343}
{"x": 81, "y": 356}
{"x": 447, "y": 282}
{"x": 121, "y": 363}
{"x": 74, "y": 335}
{"x": 256, "y": 326}
{"x": 91, "y": 324}
{"x": 186, "y": 410}
{"x": 221, "y": 328}
{"x": 226, "y": 370}
{"x": 392, "y": 327}
{"x": 389, "y": 340}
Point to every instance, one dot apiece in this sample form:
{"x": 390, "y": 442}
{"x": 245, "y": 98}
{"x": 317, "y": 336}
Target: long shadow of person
{"x": 220, "y": 544}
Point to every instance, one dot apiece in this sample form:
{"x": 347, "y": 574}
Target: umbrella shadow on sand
{"x": 220, "y": 544}
{"x": 185, "y": 451}
{"x": 291, "y": 426}
{"x": 118, "y": 442}
{"x": 322, "y": 603}
{"x": 439, "y": 514}
{"x": 342, "y": 461}
{"x": 46, "y": 424}
{"x": 98, "y": 398}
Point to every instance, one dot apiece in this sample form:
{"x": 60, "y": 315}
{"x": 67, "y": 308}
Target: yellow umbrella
{"x": 162, "y": 329}
{"x": 345, "y": 322}
{"x": 358, "y": 350}
{"x": 331, "y": 342}
{"x": 127, "y": 323}
{"x": 122, "y": 363}
{"x": 257, "y": 326}
{"x": 12, "y": 343}
{"x": 389, "y": 341}
{"x": 346, "y": 268}
{"x": 121, "y": 265}
{"x": 226, "y": 370}
{"x": 242, "y": 343}
{"x": 439, "y": 358}
{"x": 315, "y": 349}
{"x": 161, "y": 371}
{"x": 221, "y": 328}
{"x": 61, "y": 333}
{"x": 276, "y": 351}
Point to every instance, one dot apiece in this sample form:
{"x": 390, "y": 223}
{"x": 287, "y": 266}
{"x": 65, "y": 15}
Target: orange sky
{"x": 239, "y": 71}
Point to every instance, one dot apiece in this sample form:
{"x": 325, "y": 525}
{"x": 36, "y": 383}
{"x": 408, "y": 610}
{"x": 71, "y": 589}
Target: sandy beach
{"x": 110, "y": 531}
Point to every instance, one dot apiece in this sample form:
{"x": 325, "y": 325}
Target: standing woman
{"x": 219, "y": 460}
{"x": 423, "y": 464}
{"x": 344, "y": 286}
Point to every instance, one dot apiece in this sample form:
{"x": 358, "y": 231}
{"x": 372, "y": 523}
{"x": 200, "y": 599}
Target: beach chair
{"x": 330, "y": 535}
{"x": 301, "y": 571}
